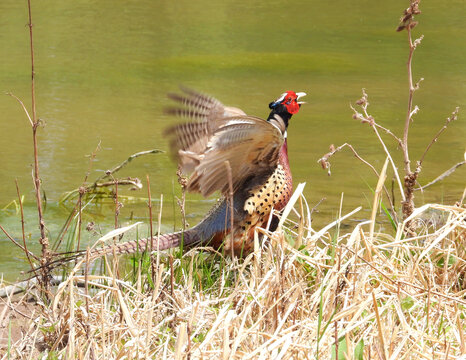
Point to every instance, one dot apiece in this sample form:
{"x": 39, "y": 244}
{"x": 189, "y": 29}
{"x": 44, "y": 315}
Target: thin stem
{"x": 149, "y": 205}
{"x": 35, "y": 124}
{"x": 117, "y": 212}
{"x": 22, "y": 225}
{"x": 82, "y": 191}
{"x": 325, "y": 163}
{"x": 442, "y": 176}
{"x": 398, "y": 140}
{"x": 24, "y": 108}
{"x": 232, "y": 230}
{"x": 453, "y": 117}
{"x": 159, "y": 225}
{"x": 370, "y": 120}
{"x": 79, "y": 219}
{"x": 124, "y": 163}
{"x": 17, "y": 243}
{"x": 395, "y": 170}
{"x": 410, "y": 104}
{"x": 33, "y": 96}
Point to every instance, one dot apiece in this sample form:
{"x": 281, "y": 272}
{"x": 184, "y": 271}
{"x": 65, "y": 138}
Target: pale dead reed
{"x": 380, "y": 296}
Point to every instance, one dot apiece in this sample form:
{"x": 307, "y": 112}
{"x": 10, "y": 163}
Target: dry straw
{"x": 387, "y": 298}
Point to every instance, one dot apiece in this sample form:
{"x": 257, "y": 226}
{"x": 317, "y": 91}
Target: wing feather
{"x": 218, "y": 135}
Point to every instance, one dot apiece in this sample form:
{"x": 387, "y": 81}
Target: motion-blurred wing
{"x": 220, "y": 134}
{"x": 205, "y": 114}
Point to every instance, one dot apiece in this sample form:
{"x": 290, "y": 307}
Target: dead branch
{"x": 26, "y": 251}
{"x": 410, "y": 179}
{"x": 24, "y": 108}
{"x": 230, "y": 199}
{"x": 183, "y": 181}
{"x": 108, "y": 173}
{"x": 135, "y": 182}
{"x": 17, "y": 243}
{"x": 442, "y": 176}
{"x": 453, "y": 117}
{"x": 324, "y": 162}
{"x": 369, "y": 119}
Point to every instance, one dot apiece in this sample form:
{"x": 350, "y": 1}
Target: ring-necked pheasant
{"x": 256, "y": 153}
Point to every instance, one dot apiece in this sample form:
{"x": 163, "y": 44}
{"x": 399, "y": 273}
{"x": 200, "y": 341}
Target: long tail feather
{"x": 162, "y": 242}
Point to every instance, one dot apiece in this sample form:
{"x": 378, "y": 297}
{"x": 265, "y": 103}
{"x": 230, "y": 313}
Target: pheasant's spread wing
{"x": 218, "y": 134}
{"x": 201, "y": 107}
{"x": 206, "y": 115}
{"x": 251, "y": 147}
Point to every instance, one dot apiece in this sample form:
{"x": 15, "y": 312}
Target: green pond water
{"x": 103, "y": 70}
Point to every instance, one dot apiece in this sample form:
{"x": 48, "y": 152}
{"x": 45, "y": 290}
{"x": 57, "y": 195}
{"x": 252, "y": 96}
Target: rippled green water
{"x": 103, "y": 69}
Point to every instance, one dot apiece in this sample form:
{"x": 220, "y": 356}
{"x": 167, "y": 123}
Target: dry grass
{"x": 381, "y": 296}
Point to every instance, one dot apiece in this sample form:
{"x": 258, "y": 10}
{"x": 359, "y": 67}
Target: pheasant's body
{"x": 255, "y": 150}
{"x": 274, "y": 194}
{"x": 252, "y": 207}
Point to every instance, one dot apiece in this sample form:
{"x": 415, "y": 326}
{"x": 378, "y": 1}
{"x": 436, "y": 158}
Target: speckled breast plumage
{"x": 274, "y": 194}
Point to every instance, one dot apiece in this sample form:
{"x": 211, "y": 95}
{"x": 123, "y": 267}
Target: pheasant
{"x": 215, "y": 139}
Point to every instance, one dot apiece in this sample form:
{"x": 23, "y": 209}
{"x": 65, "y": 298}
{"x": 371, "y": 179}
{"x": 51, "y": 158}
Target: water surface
{"x": 103, "y": 69}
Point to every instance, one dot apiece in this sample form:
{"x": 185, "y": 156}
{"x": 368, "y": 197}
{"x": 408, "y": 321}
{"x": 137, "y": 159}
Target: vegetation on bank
{"x": 302, "y": 293}
{"x": 360, "y": 295}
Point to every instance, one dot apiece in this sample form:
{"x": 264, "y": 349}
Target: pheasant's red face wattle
{"x": 290, "y": 100}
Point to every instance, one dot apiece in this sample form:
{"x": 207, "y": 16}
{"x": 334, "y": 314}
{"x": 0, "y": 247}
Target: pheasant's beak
{"x": 300, "y": 94}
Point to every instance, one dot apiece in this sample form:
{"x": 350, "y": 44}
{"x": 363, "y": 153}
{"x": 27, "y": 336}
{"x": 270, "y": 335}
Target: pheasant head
{"x": 286, "y": 105}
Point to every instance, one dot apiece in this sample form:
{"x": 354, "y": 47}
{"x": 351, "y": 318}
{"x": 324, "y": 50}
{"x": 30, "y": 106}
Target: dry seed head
{"x": 407, "y": 19}
{"x": 90, "y": 226}
{"x": 360, "y": 102}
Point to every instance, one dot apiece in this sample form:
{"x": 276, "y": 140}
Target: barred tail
{"x": 165, "y": 241}
{"x": 161, "y": 242}
{"x": 216, "y": 223}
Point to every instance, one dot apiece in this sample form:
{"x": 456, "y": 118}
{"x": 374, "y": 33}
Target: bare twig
{"x": 135, "y": 182}
{"x": 326, "y": 165}
{"x": 397, "y": 139}
{"x": 120, "y": 182}
{"x": 82, "y": 191}
{"x": 412, "y": 89}
{"x": 183, "y": 181}
{"x": 151, "y": 227}
{"x": 124, "y": 163}
{"x": 379, "y": 326}
{"x": 336, "y": 301}
{"x": 91, "y": 159}
{"x": 46, "y": 255}
{"x": 314, "y": 209}
{"x": 408, "y": 23}
{"x": 149, "y": 206}
{"x": 442, "y": 176}
{"x": 17, "y": 243}
{"x": 454, "y": 116}
{"x": 232, "y": 230}
{"x": 159, "y": 225}
{"x": 24, "y": 108}
{"x": 117, "y": 213}
{"x": 369, "y": 119}
{"x": 33, "y": 96}
{"x": 22, "y": 225}
{"x": 323, "y": 161}
{"x": 80, "y": 198}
